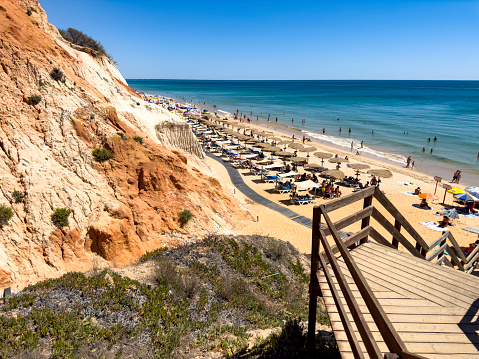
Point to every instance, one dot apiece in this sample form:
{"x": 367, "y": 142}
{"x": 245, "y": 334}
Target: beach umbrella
{"x": 451, "y": 213}
{"x": 455, "y": 190}
{"x": 285, "y": 142}
{"x": 473, "y": 190}
{"x": 272, "y": 149}
{"x": 251, "y": 140}
{"x": 285, "y": 154}
{"x": 262, "y": 145}
{"x": 314, "y": 166}
{"x": 380, "y": 173}
{"x": 359, "y": 166}
{"x": 333, "y": 173}
{"x": 296, "y": 146}
{"x": 466, "y": 197}
{"x": 428, "y": 196}
{"x": 308, "y": 149}
{"x": 323, "y": 155}
{"x": 338, "y": 160}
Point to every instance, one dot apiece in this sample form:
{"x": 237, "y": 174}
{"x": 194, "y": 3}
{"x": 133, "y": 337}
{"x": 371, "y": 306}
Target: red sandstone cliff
{"x": 120, "y": 208}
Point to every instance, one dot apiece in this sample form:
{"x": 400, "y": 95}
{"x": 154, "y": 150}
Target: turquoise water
{"x": 403, "y": 115}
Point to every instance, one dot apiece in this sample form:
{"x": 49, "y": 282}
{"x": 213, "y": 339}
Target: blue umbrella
{"x": 473, "y": 190}
{"x": 466, "y": 197}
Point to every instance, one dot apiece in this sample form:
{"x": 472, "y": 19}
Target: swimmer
{"x": 424, "y": 150}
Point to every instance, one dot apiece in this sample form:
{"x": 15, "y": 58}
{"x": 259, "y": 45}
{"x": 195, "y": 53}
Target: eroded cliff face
{"x": 120, "y": 208}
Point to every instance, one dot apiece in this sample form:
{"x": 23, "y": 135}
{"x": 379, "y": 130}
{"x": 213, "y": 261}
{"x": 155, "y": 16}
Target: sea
{"x": 434, "y": 122}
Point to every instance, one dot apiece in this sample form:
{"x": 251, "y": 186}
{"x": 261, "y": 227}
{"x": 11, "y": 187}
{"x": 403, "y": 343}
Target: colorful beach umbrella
{"x": 428, "y": 196}
{"x": 451, "y": 213}
{"x": 473, "y": 190}
{"x": 466, "y": 197}
{"x": 455, "y": 190}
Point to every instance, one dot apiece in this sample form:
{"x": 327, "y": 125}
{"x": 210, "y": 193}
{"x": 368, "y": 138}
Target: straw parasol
{"x": 323, "y": 155}
{"x": 359, "y": 166}
{"x": 338, "y": 160}
{"x": 380, "y": 173}
{"x": 272, "y": 149}
{"x": 333, "y": 173}
{"x": 285, "y": 154}
{"x": 314, "y": 166}
{"x": 262, "y": 145}
{"x": 251, "y": 140}
{"x": 296, "y": 146}
{"x": 308, "y": 149}
{"x": 284, "y": 142}
{"x": 298, "y": 159}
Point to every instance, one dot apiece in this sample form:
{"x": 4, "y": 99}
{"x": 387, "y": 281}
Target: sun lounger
{"x": 471, "y": 229}
{"x": 284, "y": 190}
{"x": 269, "y": 179}
{"x": 304, "y": 201}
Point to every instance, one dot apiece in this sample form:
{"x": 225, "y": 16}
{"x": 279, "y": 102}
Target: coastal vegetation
{"x": 204, "y": 296}
{"x": 102, "y": 154}
{"x": 185, "y": 216}
{"x": 18, "y": 196}
{"x": 60, "y": 217}
{"x": 138, "y": 139}
{"x": 56, "y": 74}
{"x": 81, "y": 39}
{"x": 34, "y": 99}
{"x": 5, "y": 214}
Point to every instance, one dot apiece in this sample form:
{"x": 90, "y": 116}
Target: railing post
{"x": 314, "y": 289}
{"x": 395, "y": 241}
{"x": 365, "y": 221}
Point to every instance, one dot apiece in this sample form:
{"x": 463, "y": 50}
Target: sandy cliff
{"x": 120, "y": 208}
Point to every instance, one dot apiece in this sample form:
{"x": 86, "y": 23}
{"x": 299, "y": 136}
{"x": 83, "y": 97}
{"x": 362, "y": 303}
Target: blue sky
{"x": 297, "y": 40}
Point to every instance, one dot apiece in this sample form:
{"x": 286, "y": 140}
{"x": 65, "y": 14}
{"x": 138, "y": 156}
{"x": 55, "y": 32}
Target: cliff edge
{"x": 120, "y": 208}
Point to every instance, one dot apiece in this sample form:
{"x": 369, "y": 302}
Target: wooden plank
{"x": 430, "y": 288}
{"x": 451, "y": 276}
{"x": 414, "y": 319}
{"x": 440, "y": 240}
{"x": 395, "y": 241}
{"x": 391, "y": 229}
{"x": 352, "y": 239}
{"x": 347, "y": 221}
{"x": 388, "y": 332}
{"x": 455, "y": 338}
{"x": 472, "y": 254}
{"x": 447, "y": 262}
{"x": 438, "y": 281}
{"x": 313, "y": 298}
{"x": 397, "y": 215}
{"x": 457, "y": 248}
{"x": 346, "y": 200}
{"x": 363, "y": 329}
{"x": 347, "y": 327}
{"x": 365, "y": 221}
{"x": 378, "y": 237}
{"x": 437, "y": 253}
{"x": 471, "y": 261}
{"x": 452, "y": 253}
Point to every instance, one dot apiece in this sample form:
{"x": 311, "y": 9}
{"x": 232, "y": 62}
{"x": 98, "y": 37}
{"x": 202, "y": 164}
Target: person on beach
{"x": 304, "y": 138}
{"x": 408, "y": 161}
{"x": 357, "y": 152}
{"x": 346, "y": 158}
{"x": 374, "y": 181}
{"x": 352, "y": 145}
{"x": 458, "y": 176}
{"x": 429, "y": 139}
{"x": 423, "y": 149}
{"x": 412, "y": 165}
{"x": 454, "y": 177}
{"x": 362, "y": 144}
{"x": 417, "y": 191}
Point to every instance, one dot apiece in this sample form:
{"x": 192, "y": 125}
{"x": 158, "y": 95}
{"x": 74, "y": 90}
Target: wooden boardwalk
{"x": 434, "y": 309}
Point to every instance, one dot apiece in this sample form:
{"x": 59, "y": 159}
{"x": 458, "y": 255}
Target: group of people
{"x": 409, "y": 162}
{"x": 328, "y": 190}
{"x": 456, "y": 177}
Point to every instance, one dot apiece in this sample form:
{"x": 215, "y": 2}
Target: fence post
{"x": 314, "y": 289}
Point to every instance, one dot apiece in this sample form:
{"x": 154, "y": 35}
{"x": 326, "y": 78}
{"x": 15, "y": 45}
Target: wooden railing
{"x": 451, "y": 254}
{"x": 391, "y": 338}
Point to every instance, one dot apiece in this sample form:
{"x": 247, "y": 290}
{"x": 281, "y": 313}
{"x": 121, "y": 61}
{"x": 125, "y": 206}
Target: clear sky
{"x": 297, "y": 40}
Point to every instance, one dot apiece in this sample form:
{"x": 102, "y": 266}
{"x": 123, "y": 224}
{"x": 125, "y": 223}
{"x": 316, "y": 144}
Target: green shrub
{"x": 33, "y": 100}
{"x": 60, "y": 217}
{"x": 138, "y": 139}
{"x": 185, "y": 216}
{"x": 5, "y": 214}
{"x": 81, "y": 39}
{"x": 102, "y": 154}
{"x": 18, "y": 196}
{"x": 29, "y": 12}
{"x": 122, "y": 135}
{"x": 56, "y": 74}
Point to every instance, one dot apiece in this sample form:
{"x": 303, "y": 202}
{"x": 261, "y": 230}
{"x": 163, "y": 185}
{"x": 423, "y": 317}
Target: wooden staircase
{"x": 387, "y": 303}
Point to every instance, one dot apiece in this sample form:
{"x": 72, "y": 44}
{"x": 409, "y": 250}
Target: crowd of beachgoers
{"x": 292, "y": 170}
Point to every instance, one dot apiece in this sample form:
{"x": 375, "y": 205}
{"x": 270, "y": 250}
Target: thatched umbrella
{"x": 308, "y": 149}
{"x": 272, "y": 149}
{"x": 380, "y": 173}
{"x": 314, "y": 166}
{"x": 285, "y": 154}
{"x": 296, "y": 146}
{"x": 358, "y": 166}
{"x": 262, "y": 145}
{"x": 251, "y": 140}
{"x": 333, "y": 173}
{"x": 285, "y": 142}
{"x": 323, "y": 155}
{"x": 298, "y": 159}
{"x": 338, "y": 160}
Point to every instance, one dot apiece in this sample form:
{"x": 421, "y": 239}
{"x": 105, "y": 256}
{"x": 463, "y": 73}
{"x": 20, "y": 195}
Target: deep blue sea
{"x": 403, "y": 115}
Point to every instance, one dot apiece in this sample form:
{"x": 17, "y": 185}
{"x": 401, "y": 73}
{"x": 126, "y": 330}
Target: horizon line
{"x": 294, "y": 80}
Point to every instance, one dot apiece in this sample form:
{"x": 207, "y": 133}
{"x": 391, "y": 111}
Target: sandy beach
{"x": 273, "y": 224}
